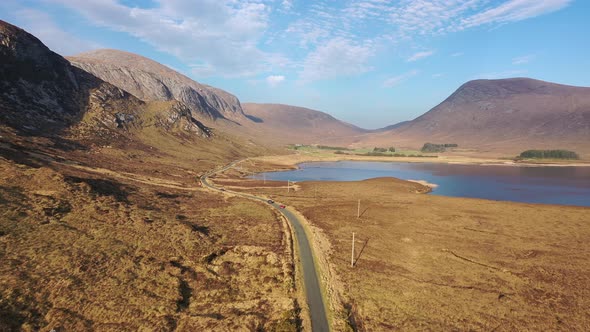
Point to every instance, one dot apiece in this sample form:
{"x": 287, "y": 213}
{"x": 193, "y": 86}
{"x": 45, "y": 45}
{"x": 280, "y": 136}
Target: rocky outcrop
{"x": 38, "y": 88}
{"x": 150, "y": 81}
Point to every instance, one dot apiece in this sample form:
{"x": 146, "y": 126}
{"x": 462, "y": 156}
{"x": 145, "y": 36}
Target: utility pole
{"x": 352, "y": 256}
{"x": 358, "y": 211}
{"x": 288, "y": 182}
{"x": 264, "y": 177}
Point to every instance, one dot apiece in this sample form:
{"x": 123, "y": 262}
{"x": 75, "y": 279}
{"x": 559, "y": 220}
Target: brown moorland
{"x": 103, "y": 224}
{"x": 426, "y": 262}
{"x": 125, "y": 248}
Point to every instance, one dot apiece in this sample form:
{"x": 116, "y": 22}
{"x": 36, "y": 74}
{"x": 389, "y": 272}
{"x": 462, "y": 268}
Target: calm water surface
{"x": 549, "y": 185}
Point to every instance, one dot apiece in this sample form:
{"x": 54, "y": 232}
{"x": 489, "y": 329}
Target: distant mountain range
{"x": 506, "y": 114}
{"x": 291, "y": 124}
{"x": 270, "y": 123}
{"x": 108, "y": 90}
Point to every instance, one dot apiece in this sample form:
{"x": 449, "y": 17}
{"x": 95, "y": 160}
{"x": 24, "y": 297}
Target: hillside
{"x": 505, "y": 115}
{"x": 292, "y": 124}
{"x": 149, "y": 80}
{"x": 270, "y": 124}
{"x": 103, "y": 224}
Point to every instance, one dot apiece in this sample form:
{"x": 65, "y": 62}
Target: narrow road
{"x": 319, "y": 320}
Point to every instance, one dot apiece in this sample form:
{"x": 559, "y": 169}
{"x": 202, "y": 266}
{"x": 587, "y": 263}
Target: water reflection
{"x": 550, "y": 185}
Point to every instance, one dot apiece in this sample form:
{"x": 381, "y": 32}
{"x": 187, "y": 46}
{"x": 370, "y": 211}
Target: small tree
{"x": 391, "y": 149}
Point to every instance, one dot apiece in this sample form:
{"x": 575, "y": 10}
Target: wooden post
{"x": 288, "y": 182}
{"x": 358, "y": 213}
{"x": 352, "y": 256}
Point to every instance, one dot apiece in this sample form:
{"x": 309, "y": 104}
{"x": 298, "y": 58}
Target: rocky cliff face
{"x": 38, "y": 88}
{"x": 149, "y": 81}
{"x": 42, "y": 93}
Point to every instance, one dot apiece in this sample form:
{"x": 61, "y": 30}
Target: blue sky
{"x": 369, "y": 62}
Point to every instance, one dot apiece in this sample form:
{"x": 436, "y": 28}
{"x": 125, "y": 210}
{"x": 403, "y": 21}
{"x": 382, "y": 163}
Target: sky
{"x": 372, "y": 63}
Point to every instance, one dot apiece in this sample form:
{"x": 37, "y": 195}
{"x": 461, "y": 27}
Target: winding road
{"x": 313, "y": 293}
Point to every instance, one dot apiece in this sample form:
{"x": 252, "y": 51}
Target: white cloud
{"x": 231, "y": 38}
{"x": 521, "y": 60}
{"x": 420, "y": 55}
{"x": 218, "y": 37}
{"x": 396, "y": 80}
{"x": 338, "y": 57}
{"x": 431, "y": 17}
{"x": 422, "y": 17}
{"x": 274, "y": 80}
{"x": 457, "y": 54}
{"x": 287, "y": 4}
{"x": 42, "y": 26}
{"x": 438, "y": 75}
{"x": 515, "y": 10}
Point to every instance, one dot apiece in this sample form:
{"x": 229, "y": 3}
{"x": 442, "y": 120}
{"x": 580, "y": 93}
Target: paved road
{"x": 319, "y": 320}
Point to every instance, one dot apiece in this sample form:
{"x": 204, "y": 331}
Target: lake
{"x": 536, "y": 184}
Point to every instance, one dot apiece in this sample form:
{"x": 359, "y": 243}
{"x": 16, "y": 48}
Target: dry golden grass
{"x": 122, "y": 238}
{"x": 286, "y": 161}
{"x": 426, "y": 262}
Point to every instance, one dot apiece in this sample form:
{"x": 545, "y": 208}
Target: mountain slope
{"x": 41, "y": 93}
{"x": 507, "y": 114}
{"x": 149, "y": 80}
{"x": 268, "y": 123}
{"x": 103, "y": 224}
{"x": 292, "y": 124}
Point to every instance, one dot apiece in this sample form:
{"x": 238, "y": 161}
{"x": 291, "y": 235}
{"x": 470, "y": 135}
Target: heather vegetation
{"x": 327, "y": 147}
{"x": 432, "y": 147}
{"x": 549, "y": 154}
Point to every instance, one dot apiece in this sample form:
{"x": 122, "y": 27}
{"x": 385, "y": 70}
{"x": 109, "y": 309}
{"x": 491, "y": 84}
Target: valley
{"x": 127, "y": 203}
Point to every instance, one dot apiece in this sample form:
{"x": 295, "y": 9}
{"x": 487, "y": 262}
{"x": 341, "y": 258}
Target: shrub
{"x": 549, "y": 154}
{"x": 431, "y": 147}
{"x": 326, "y": 147}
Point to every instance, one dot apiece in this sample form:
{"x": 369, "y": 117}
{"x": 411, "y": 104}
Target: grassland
{"x": 120, "y": 237}
{"x": 310, "y": 153}
{"x": 426, "y": 262}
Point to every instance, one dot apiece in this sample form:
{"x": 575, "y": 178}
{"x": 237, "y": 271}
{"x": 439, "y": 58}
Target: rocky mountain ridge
{"x": 149, "y": 80}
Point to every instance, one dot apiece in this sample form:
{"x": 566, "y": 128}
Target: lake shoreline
{"x": 562, "y": 186}
{"x": 295, "y": 159}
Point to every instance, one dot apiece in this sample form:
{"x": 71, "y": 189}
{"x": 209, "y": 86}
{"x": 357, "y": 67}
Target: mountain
{"x": 292, "y": 124}
{"x": 271, "y": 124}
{"x": 506, "y": 114}
{"x": 149, "y": 80}
{"x": 39, "y": 90}
{"x": 391, "y": 127}
{"x": 41, "y": 93}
